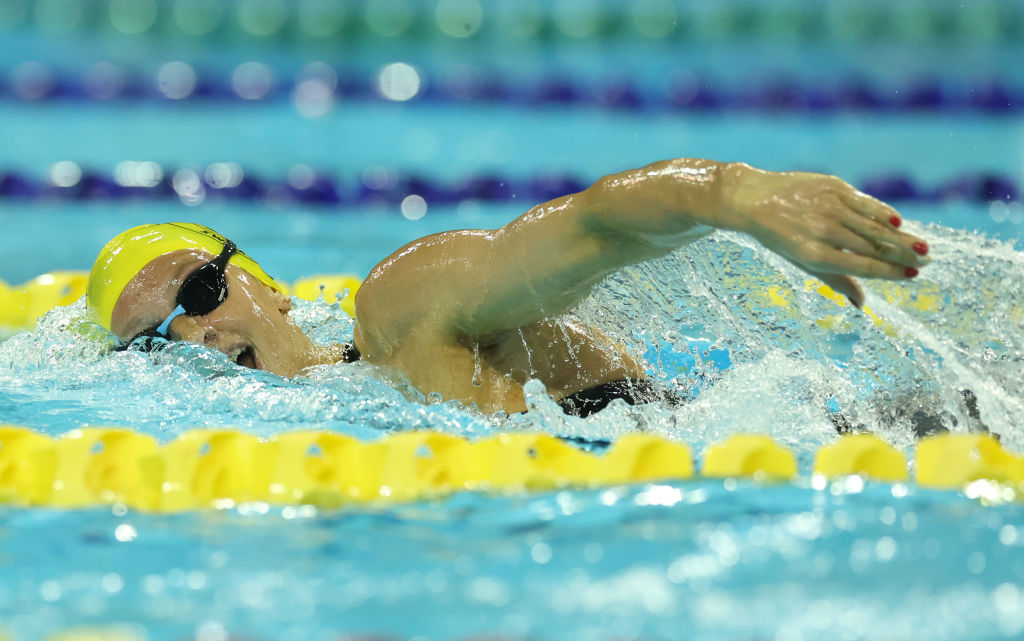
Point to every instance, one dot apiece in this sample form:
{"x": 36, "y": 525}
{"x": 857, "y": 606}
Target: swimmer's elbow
{"x": 661, "y": 206}
{"x": 639, "y": 234}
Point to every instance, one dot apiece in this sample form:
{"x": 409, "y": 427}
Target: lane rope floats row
{"x": 21, "y": 305}
{"x": 227, "y": 22}
{"x": 405, "y": 192}
{"x": 317, "y": 88}
{"x": 222, "y": 468}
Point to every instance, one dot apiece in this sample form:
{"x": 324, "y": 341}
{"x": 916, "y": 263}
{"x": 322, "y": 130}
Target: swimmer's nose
{"x": 194, "y": 330}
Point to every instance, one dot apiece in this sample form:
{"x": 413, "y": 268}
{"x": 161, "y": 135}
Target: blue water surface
{"x": 720, "y": 560}
{"x": 705, "y": 560}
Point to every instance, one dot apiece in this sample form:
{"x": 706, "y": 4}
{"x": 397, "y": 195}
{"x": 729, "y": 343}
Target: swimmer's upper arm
{"x": 480, "y": 282}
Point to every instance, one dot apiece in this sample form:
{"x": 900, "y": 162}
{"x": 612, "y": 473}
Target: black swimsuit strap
{"x": 633, "y": 391}
{"x": 350, "y": 353}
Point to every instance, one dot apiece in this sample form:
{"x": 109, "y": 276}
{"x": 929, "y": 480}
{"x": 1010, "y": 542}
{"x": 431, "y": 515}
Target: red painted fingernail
{"x": 855, "y": 303}
{"x": 911, "y": 272}
{"x": 921, "y": 248}
{"x": 895, "y": 221}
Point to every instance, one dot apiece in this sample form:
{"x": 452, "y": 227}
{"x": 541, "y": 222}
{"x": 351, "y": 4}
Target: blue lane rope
{"x": 685, "y": 93}
{"x": 321, "y": 189}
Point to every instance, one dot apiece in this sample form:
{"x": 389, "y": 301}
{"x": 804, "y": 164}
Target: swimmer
{"x": 474, "y": 314}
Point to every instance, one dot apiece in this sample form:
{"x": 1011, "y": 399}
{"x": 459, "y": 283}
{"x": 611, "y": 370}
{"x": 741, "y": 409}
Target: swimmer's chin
{"x": 321, "y": 356}
{"x": 245, "y": 355}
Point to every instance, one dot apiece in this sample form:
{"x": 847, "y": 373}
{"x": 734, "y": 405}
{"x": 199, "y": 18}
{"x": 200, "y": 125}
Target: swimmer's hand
{"x": 821, "y": 224}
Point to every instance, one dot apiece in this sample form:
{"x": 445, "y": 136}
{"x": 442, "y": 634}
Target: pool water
{"x": 724, "y": 559}
{"x": 716, "y": 559}
{"x": 720, "y": 561}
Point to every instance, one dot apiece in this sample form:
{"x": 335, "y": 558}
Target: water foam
{"x": 946, "y": 355}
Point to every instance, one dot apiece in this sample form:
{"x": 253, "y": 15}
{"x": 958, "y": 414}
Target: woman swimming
{"x": 472, "y": 315}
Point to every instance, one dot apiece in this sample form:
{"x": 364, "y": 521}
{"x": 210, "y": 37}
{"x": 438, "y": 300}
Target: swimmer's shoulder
{"x": 418, "y": 292}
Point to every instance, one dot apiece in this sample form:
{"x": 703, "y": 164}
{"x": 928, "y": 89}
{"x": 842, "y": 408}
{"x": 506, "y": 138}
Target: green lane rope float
{"x": 332, "y": 21}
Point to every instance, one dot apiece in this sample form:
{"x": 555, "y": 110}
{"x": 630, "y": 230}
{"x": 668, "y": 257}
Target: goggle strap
{"x": 164, "y": 326}
{"x": 156, "y": 338}
{"x": 209, "y": 277}
{"x": 221, "y": 261}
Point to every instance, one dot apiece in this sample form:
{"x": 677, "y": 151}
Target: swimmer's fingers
{"x": 874, "y": 220}
{"x": 819, "y": 258}
{"x": 887, "y": 245}
{"x": 845, "y": 285}
{"x": 868, "y": 206}
{"x": 841, "y": 237}
{"x": 847, "y": 230}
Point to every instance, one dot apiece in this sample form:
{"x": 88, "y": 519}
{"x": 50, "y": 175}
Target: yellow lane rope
{"x": 21, "y": 305}
{"x": 222, "y": 468}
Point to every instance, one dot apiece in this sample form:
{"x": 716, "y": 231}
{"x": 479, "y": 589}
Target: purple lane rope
{"x": 388, "y": 188}
{"x": 318, "y": 86}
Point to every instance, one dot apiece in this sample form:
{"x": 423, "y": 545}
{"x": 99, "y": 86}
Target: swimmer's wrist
{"x": 736, "y": 187}
{"x": 669, "y": 203}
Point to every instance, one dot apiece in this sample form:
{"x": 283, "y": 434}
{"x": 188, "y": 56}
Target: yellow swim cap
{"x": 128, "y": 252}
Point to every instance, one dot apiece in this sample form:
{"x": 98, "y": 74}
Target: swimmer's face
{"x": 251, "y": 325}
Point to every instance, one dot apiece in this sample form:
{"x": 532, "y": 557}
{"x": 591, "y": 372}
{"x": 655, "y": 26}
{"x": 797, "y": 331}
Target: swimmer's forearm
{"x": 818, "y": 222}
{"x": 665, "y": 204}
{"x": 547, "y": 260}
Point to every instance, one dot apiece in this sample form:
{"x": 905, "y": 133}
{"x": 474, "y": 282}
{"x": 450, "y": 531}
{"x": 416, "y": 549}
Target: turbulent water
{"x": 723, "y": 323}
{"x": 941, "y": 351}
{"x": 737, "y": 330}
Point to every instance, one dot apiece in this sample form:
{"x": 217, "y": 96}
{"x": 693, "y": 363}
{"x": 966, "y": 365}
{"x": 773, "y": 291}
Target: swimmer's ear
{"x": 284, "y": 303}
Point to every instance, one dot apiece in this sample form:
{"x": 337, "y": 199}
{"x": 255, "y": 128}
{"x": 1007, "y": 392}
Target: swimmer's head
{"x": 137, "y": 284}
{"x": 126, "y": 254}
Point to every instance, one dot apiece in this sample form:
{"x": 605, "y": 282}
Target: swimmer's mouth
{"x": 246, "y": 357}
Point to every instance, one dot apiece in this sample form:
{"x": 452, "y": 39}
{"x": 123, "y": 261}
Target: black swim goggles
{"x": 201, "y": 292}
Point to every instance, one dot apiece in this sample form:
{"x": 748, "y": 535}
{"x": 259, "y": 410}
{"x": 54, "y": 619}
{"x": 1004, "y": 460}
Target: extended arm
{"x": 479, "y": 282}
